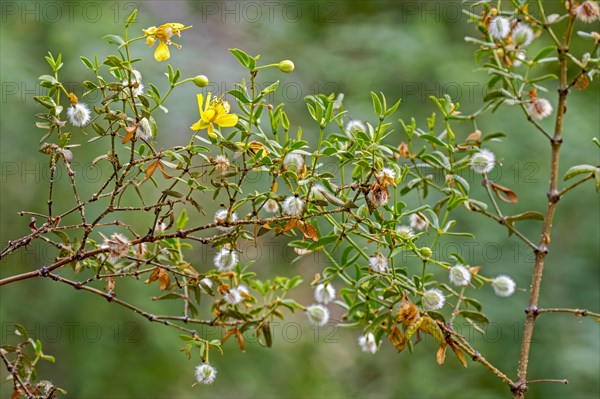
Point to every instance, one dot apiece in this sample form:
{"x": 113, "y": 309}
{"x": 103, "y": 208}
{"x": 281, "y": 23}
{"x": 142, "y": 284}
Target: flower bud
{"x": 200, "y": 81}
{"x": 426, "y": 252}
{"x": 318, "y": 314}
{"x": 286, "y": 66}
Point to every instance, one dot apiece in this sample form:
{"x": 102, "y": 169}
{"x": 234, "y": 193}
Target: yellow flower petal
{"x": 200, "y": 102}
{"x": 207, "y": 101}
{"x": 208, "y": 115}
{"x": 162, "y": 52}
{"x": 211, "y": 131}
{"x": 200, "y": 125}
{"x": 226, "y": 120}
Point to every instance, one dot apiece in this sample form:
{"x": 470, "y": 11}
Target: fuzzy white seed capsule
{"x": 540, "y": 108}
{"x": 117, "y": 245}
{"x": 137, "y": 87}
{"x": 367, "y": 343}
{"x": 405, "y": 233}
{"x": 221, "y": 162}
{"x": 226, "y": 259}
{"x": 221, "y": 218}
{"x": 417, "y": 222}
{"x": 324, "y": 293}
{"x": 433, "y": 299}
{"x": 353, "y": 127}
{"x": 318, "y": 315}
{"x": 522, "y": 36}
{"x": 205, "y": 374}
{"x": 483, "y": 161}
{"x": 144, "y": 130}
{"x": 234, "y": 296}
{"x": 78, "y": 114}
{"x": 293, "y": 162}
{"x": 503, "y": 285}
{"x": 587, "y": 12}
{"x": 271, "y": 206}
{"x": 378, "y": 263}
{"x": 499, "y": 28}
{"x": 293, "y": 206}
{"x": 459, "y": 275}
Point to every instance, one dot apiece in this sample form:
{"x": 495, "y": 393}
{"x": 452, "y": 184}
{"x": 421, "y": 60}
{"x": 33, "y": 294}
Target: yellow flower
{"x": 215, "y": 111}
{"x": 163, "y": 33}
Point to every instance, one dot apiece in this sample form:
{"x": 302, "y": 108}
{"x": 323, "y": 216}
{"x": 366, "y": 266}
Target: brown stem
{"x": 553, "y": 198}
{"x": 576, "y": 312}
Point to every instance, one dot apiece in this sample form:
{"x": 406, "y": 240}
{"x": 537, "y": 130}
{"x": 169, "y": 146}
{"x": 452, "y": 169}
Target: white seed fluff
{"x": 318, "y": 315}
{"x": 367, "y": 343}
{"x": 499, "y": 28}
{"x": 503, "y": 285}
{"x": 324, "y": 293}
{"x": 378, "y": 263}
{"x": 221, "y": 218}
{"x": 293, "y": 206}
{"x": 205, "y": 374}
{"x": 78, "y": 114}
{"x": 483, "y": 161}
{"x": 459, "y": 275}
{"x": 433, "y": 299}
{"x": 226, "y": 259}
{"x": 540, "y": 108}
{"x": 522, "y": 36}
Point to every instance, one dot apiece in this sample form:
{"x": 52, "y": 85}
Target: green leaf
{"x": 376, "y": 104}
{"x": 393, "y": 109}
{"x": 241, "y": 56}
{"x": 544, "y": 52}
{"x": 172, "y": 193}
{"x": 433, "y": 139}
{"x": 476, "y": 304}
{"x": 131, "y": 18}
{"x": 544, "y": 77}
{"x": 240, "y": 95}
{"x": 475, "y": 316}
{"x": 46, "y": 101}
{"x": 579, "y": 169}
{"x": 114, "y": 39}
{"x": 182, "y": 220}
{"x": 529, "y": 215}
{"x": 170, "y": 295}
{"x": 270, "y": 88}
{"x": 87, "y": 63}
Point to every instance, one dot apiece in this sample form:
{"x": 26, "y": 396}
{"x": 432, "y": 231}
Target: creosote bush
{"x": 382, "y": 267}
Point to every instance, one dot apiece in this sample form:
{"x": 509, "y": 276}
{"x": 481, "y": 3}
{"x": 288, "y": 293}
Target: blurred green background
{"x": 408, "y": 50}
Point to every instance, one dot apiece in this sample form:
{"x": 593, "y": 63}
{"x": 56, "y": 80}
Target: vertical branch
{"x": 553, "y": 197}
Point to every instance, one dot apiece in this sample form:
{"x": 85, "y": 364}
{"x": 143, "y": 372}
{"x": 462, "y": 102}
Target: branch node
{"x": 532, "y": 310}
{"x": 44, "y": 271}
